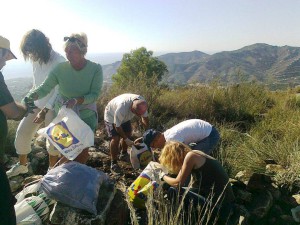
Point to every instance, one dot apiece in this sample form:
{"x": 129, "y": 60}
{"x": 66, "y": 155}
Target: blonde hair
{"x": 81, "y": 42}
{"x": 172, "y": 156}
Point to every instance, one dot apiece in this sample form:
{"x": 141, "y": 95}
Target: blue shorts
{"x": 111, "y": 130}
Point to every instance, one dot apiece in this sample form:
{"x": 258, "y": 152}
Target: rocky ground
{"x": 260, "y": 199}
{"x": 99, "y": 159}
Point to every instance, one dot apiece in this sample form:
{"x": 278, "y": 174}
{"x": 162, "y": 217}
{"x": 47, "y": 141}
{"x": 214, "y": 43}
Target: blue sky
{"x": 163, "y": 26}
{"x": 159, "y": 25}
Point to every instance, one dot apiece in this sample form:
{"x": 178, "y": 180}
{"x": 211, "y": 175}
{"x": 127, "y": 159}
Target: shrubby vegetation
{"x": 256, "y": 124}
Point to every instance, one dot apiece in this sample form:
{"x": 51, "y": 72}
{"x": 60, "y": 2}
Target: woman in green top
{"x": 79, "y": 84}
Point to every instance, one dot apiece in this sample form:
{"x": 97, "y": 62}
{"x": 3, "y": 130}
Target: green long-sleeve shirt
{"x": 71, "y": 83}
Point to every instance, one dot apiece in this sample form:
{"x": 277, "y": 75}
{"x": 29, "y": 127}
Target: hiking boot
{"x": 115, "y": 168}
{"x": 16, "y": 170}
{"x": 124, "y": 156}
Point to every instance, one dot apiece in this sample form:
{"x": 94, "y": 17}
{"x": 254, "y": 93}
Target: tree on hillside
{"x": 139, "y": 64}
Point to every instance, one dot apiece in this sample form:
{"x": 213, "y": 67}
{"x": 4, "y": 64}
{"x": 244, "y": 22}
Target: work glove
{"x": 31, "y": 97}
{"x": 128, "y": 142}
{"x": 70, "y": 103}
{"x": 30, "y": 106}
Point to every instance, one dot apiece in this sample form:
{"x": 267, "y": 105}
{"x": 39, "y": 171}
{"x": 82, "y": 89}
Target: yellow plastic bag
{"x": 146, "y": 182}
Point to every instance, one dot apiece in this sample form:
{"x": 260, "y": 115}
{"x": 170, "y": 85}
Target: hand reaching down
{"x": 40, "y": 117}
{"x": 70, "y": 103}
{"x": 128, "y": 142}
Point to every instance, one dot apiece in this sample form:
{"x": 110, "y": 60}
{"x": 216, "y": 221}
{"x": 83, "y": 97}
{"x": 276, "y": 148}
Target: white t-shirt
{"x": 40, "y": 73}
{"x": 188, "y": 131}
{"x": 118, "y": 110}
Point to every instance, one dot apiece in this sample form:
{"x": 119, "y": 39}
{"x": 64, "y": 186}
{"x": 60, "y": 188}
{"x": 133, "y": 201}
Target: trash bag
{"x": 68, "y": 133}
{"x": 75, "y": 185}
{"x": 28, "y": 191}
{"x": 146, "y": 182}
{"x": 33, "y": 210}
{"x": 140, "y": 156}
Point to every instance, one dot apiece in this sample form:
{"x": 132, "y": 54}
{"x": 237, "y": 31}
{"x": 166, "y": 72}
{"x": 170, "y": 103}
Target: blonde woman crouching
{"x": 208, "y": 177}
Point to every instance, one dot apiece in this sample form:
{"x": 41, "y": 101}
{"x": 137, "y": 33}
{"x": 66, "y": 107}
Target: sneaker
{"x": 124, "y": 157}
{"x": 115, "y": 168}
{"x": 16, "y": 170}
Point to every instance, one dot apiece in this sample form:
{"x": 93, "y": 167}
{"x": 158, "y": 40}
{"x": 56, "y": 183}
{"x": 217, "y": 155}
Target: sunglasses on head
{"x": 74, "y": 39}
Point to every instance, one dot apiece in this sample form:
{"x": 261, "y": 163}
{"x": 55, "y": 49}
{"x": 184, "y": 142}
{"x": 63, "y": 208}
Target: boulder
{"x": 275, "y": 169}
{"x": 243, "y": 196}
{"x": 40, "y": 141}
{"x": 258, "y": 182}
{"x": 297, "y": 198}
{"x": 16, "y": 183}
{"x": 261, "y": 204}
{"x": 243, "y": 176}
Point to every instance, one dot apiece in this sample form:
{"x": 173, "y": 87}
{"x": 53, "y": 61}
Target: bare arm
{"x": 121, "y": 132}
{"x": 145, "y": 122}
{"x": 191, "y": 161}
{"x": 14, "y": 110}
{"x": 40, "y": 117}
{"x": 138, "y": 140}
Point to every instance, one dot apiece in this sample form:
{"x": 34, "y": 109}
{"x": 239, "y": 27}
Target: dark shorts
{"x": 111, "y": 130}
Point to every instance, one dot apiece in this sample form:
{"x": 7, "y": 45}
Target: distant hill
{"x": 109, "y": 70}
{"x": 279, "y": 66}
{"x": 19, "y": 87}
{"x": 261, "y": 62}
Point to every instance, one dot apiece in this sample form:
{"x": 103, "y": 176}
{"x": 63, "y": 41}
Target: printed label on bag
{"x": 139, "y": 190}
{"x": 145, "y": 157}
{"x": 60, "y": 134}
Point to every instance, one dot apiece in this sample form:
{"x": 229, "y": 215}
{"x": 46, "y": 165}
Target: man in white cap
{"x": 117, "y": 115}
{"x": 8, "y": 107}
{"x": 11, "y": 110}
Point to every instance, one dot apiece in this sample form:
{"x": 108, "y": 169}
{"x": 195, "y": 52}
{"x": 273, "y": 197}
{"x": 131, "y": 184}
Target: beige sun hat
{"x": 4, "y": 43}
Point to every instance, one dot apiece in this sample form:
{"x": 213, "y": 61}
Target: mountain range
{"x": 279, "y": 67}
{"x": 261, "y": 62}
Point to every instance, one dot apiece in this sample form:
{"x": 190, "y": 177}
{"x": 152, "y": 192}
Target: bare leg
{"x": 124, "y": 146}
{"x": 52, "y": 160}
{"x": 83, "y": 156}
{"x": 114, "y": 148}
{"x": 63, "y": 160}
{"x": 23, "y": 159}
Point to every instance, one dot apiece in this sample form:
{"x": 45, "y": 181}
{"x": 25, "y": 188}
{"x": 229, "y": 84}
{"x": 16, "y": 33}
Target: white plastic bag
{"x": 140, "y": 156}
{"x": 68, "y": 133}
{"x": 30, "y": 190}
{"x": 33, "y": 210}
